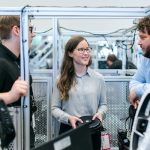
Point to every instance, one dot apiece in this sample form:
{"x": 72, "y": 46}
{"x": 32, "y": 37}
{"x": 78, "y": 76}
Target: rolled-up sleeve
{"x": 141, "y": 79}
{"x": 102, "y": 101}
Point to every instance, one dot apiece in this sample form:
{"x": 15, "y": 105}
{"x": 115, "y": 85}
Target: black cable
{"x": 44, "y": 31}
{"x": 93, "y": 33}
{"x": 126, "y": 122}
{"x": 96, "y": 35}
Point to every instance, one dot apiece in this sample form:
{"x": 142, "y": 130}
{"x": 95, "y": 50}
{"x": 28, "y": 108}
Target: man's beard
{"x": 147, "y": 53}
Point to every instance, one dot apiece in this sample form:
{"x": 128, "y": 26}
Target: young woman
{"x": 79, "y": 91}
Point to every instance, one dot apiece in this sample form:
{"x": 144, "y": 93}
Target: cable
{"x": 44, "y": 31}
{"x": 93, "y": 33}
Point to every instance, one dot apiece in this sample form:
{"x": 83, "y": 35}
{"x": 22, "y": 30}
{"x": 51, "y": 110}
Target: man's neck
{"x": 12, "y": 46}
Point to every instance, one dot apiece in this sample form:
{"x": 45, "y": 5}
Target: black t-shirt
{"x": 9, "y": 73}
{"x": 9, "y": 70}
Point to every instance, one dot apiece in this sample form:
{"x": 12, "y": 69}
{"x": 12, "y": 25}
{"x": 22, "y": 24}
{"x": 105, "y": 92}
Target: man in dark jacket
{"x": 114, "y": 63}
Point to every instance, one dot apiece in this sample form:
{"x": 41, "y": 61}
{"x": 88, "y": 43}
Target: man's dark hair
{"x": 112, "y": 57}
{"x": 144, "y": 25}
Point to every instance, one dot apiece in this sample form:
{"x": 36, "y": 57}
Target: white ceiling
{"x": 75, "y": 3}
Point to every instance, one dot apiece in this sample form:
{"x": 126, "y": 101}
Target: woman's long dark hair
{"x": 67, "y": 72}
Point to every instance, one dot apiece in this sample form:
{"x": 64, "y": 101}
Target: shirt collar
{"x": 6, "y": 51}
{"x": 89, "y": 71}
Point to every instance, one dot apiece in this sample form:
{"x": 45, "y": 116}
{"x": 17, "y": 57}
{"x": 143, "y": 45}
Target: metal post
{"x": 25, "y": 76}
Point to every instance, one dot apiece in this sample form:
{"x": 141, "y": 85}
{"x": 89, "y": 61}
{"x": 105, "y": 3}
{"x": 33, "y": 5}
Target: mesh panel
{"x": 118, "y": 105}
{"x": 40, "y": 95}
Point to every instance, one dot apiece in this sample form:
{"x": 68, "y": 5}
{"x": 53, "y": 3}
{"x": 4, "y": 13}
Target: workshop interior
{"x": 108, "y": 30}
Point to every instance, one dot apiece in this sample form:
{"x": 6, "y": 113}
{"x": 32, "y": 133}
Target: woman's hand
{"x": 98, "y": 116}
{"x": 73, "y": 121}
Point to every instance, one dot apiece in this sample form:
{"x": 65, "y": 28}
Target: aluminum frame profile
{"x": 129, "y": 12}
{"x": 25, "y": 75}
{"x": 147, "y": 10}
{"x": 101, "y": 12}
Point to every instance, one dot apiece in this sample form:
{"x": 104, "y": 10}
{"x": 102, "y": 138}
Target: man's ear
{"x": 16, "y": 30}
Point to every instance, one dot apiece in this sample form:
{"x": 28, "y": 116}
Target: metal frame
{"x": 101, "y": 12}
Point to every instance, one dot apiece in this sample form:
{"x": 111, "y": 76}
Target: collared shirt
{"x": 87, "y": 97}
{"x": 141, "y": 79}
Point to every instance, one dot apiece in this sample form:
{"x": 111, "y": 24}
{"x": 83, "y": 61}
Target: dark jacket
{"x": 118, "y": 65}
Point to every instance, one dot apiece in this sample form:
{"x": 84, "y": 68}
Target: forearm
{"x": 6, "y": 98}
{"x": 60, "y": 115}
{"x": 138, "y": 87}
{"x": 102, "y": 110}
{"x": 103, "y": 101}
{"x": 140, "y": 79}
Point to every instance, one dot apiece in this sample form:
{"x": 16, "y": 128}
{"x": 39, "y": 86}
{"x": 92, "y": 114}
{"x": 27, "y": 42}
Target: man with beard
{"x": 141, "y": 79}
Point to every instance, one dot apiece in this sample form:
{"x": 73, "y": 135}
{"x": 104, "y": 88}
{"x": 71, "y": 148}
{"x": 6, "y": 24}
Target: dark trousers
{"x": 64, "y": 128}
{"x": 96, "y": 140}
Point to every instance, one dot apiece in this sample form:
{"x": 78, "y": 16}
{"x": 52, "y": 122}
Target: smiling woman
{"x": 79, "y": 90}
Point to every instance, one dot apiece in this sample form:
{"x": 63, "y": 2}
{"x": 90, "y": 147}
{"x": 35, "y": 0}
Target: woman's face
{"x": 81, "y": 54}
